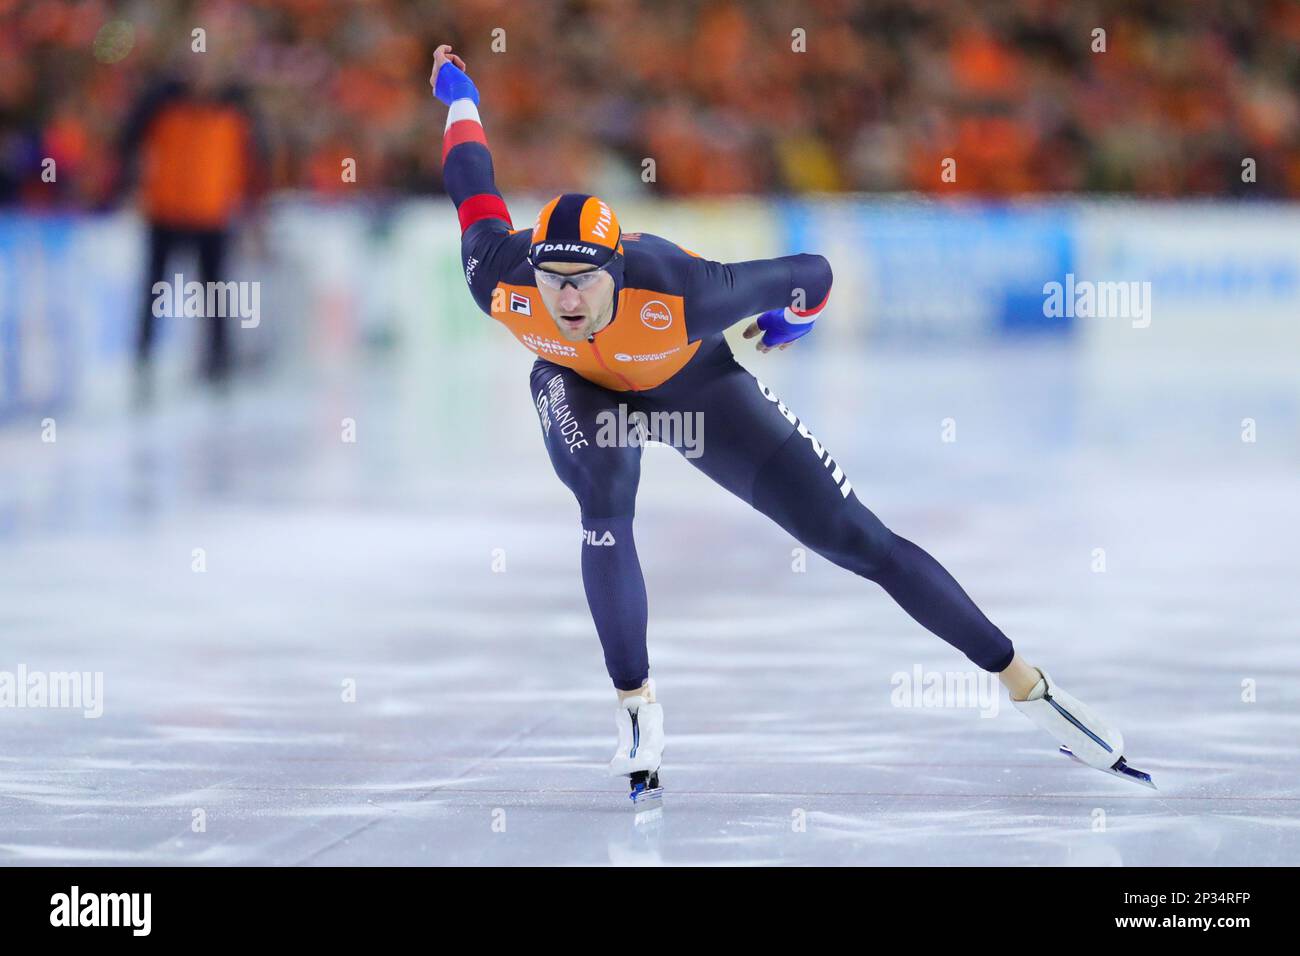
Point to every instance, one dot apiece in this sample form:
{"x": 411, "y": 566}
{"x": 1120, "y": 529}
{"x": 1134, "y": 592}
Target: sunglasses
{"x": 558, "y": 280}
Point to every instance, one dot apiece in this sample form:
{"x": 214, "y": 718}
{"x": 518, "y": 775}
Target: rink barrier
{"x": 1224, "y": 282}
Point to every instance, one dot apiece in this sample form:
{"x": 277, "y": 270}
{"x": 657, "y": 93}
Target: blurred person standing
{"x": 193, "y": 148}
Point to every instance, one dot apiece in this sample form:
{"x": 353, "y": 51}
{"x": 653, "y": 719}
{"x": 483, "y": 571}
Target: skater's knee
{"x": 873, "y": 546}
{"x": 858, "y": 542}
{"x": 607, "y": 489}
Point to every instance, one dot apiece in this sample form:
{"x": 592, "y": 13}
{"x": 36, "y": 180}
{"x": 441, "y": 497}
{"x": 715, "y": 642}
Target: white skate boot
{"x": 1082, "y": 734}
{"x": 640, "y": 722}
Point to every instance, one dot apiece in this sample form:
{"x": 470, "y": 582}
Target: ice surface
{"x": 482, "y": 721}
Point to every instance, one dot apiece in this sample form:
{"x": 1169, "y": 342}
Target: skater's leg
{"x": 212, "y": 265}
{"x": 797, "y": 490}
{"x": 646, "y": 690}
{"x": 756, "y": 448}
{"x": 1020, "y": 678}
{"x": 604, "y": 480}
{"x": 161, "y": 243}
{"x": 797, "y": 484}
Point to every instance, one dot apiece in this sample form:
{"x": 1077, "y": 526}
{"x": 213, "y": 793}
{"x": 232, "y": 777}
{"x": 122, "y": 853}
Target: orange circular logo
{"x": 655, "y": 315}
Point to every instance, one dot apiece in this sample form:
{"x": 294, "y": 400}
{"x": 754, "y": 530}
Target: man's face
{"x": 578, "y": 313}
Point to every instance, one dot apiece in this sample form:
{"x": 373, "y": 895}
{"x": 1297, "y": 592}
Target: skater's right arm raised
{"x": 469, "y": 179}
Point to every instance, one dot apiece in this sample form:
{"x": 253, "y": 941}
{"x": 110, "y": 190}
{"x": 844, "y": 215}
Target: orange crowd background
{"x": 579, "y": 94}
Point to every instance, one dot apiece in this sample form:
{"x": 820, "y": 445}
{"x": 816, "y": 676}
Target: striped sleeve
{"x": 467, "y": 167}
{"x": 811, "y": 277}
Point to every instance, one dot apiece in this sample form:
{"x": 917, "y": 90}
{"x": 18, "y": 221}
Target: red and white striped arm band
{"x": 806, "y": 316}
{"x": 467, "y": 167}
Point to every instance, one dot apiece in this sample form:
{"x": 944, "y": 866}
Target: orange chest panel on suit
{"x": 643, "y": 347}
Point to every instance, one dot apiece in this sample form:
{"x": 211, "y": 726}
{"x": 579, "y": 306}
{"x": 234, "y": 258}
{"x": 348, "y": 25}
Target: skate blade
{"x": 1120, "y": 769}
{"x": 646, "y": 798}
{"x": 645, "y": 789}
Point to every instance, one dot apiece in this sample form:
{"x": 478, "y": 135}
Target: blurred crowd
{"x": 724, "y": 96}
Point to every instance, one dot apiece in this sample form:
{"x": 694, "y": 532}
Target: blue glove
{"x": 778, "y": 331}
{"x": 454, "y": 84}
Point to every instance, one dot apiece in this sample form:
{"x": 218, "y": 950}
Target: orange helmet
{"x": 576, "y": 227}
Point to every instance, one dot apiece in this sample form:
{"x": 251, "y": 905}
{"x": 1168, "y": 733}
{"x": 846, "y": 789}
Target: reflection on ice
{"x": 477, "y": 727}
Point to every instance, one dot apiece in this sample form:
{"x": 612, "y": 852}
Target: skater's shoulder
{"x": 505, "y": 250}
{"x": 493, "y": 255}
{"x": 647, "y": 244}
{"x": 512, "y": 243}
{"x": 654, "y": 262}
{"x": 514, "y": 255}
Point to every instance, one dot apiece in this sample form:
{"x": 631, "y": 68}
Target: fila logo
{"x": 589, "y": 537}
{"x": 521, "y": 304}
